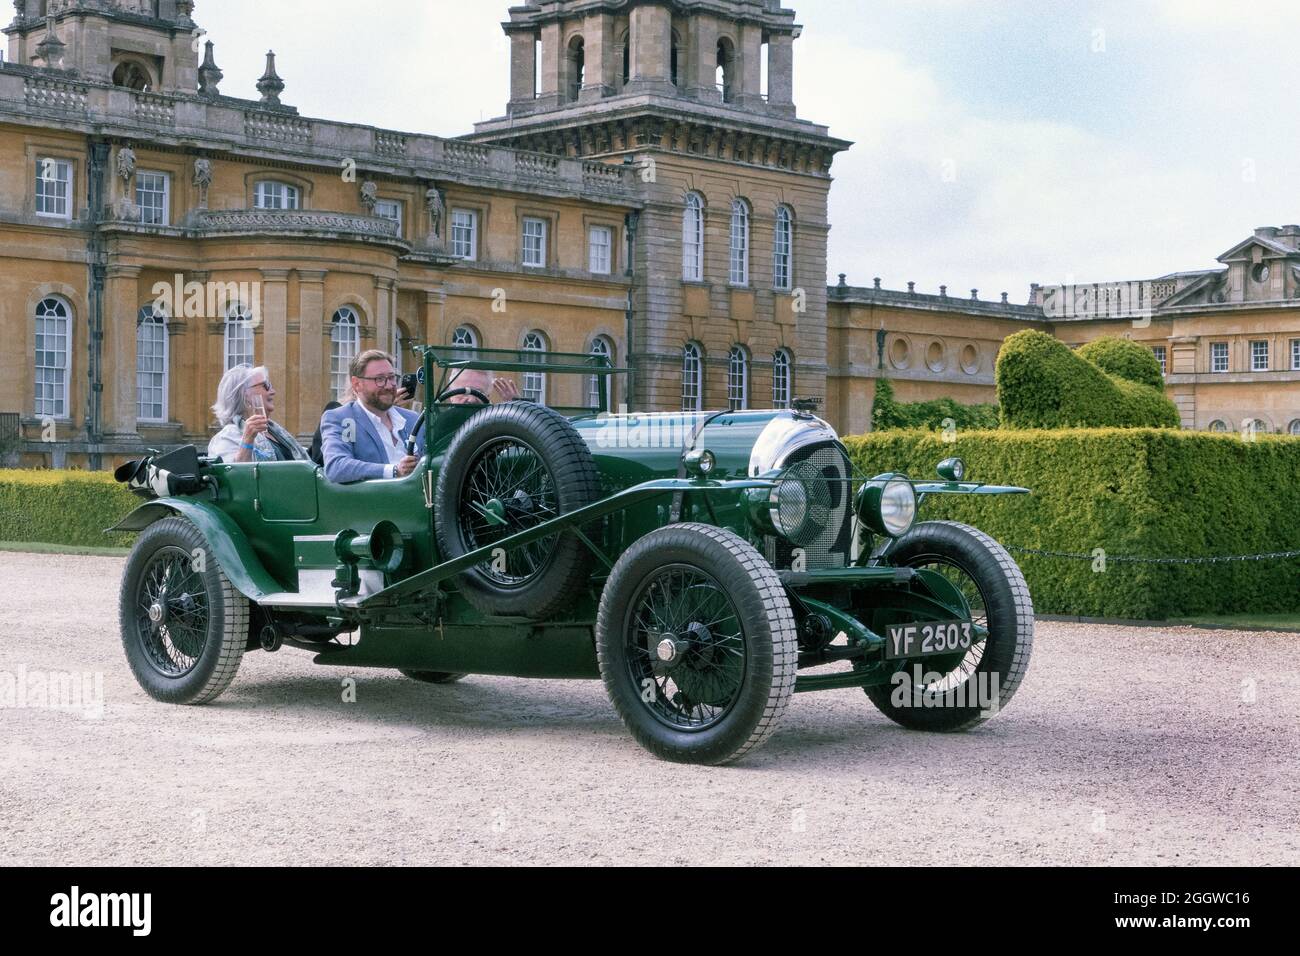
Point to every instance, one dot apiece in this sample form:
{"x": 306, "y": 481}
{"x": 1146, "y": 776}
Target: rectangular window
{"x": 1259, "y": 356}
{"x": 1218, "y": 356}
{"x": 272, "y": 195}
{"x": 54, "y": 188}
{"x": 1162, "y": 356}
{"x": 1295, "y": 355}
{"x": 464, "y": 234}
{"x": 52, "y": 364}
{"x": 600, "y": 245}
{"x": 151, "y": 370}
{"x": 390, "y": 209}
{"x": 153, "y": 196}
{"x": 535, "y": 243}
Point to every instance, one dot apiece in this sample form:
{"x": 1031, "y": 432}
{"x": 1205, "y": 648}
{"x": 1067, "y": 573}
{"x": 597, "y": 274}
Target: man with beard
{"x": 366, "y": 438}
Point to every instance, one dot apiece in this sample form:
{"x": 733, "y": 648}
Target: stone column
{"x": 523, "y": 69}
{"x": 435, "y": 321}
{"x": 749, "y": 67}
{"x": 275, "y": 340}
{"x": 121, "y": 309}
{"x": 780, "y": 73}
{"x": 383, "y": 313}
{"x": 604, "y": 59}
{"x": 313, "y": 387}
{"x": 652, "y": 40}
{"x": 551, "y": 93}
{"x": 701, "y": 81}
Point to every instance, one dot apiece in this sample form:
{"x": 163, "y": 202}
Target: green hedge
{"x": 1145, "y": 492}
{"x": 1125, "y": 359}
{"x": 63, "y": 507}
{"x": 1041, "y": 383}
{"x": 887, "y": 412}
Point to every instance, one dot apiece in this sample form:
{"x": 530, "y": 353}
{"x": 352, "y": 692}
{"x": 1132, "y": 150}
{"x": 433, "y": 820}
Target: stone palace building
{"x": 648, "y": 195}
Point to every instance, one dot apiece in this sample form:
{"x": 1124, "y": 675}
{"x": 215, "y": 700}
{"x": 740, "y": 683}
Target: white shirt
{"x": 395, "y": 452}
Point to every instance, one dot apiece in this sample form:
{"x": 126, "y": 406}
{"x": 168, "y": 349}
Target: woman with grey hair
{"x": 245, "y": 401}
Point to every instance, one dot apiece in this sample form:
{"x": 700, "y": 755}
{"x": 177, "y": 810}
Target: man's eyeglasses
{"x": 391, "y": 379}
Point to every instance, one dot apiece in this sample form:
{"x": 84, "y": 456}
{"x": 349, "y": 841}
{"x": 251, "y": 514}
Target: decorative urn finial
{"x": 209, "y": 73}
{"x": 270, "y": 85}
{"x": 50, "y": 50}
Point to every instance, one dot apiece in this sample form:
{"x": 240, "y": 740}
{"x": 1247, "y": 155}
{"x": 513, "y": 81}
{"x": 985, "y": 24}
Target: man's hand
{"x": 406, "y": 466}
{"x": 505, "y": 389}
{"x": 254, "y": 426}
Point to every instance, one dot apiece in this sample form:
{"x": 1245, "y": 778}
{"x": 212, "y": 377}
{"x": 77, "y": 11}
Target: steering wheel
{"x": 453, "y": 392}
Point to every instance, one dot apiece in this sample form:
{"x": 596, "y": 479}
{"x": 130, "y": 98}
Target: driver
{"x": 475, "y": 386}
{"x": 370, "y": 436}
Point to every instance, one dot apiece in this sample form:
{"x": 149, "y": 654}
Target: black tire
{"x": 532, "y": 463}
{"x": 191, "y": 652}
{"x": 739, "y": 666}
{"x": 433, "y": 677}
{"x": 984, "y": 570}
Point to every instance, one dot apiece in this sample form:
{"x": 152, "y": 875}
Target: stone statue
{"x": 433, "y": 202}
{"x": 125, "y": 163}
{"x": 202, "y": 173}
{"x": 20, "y": 9}
{"x": 369, "y": 195}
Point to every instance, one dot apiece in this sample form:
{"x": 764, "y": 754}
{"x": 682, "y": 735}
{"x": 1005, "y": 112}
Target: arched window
{"x": 674, "y": 59}
{"x": 577, "y": 67}
{"x": 1294, "y": 427}
{"x": 239, "y": 336}
{"x": 783, "y": 250}
{"x": 603, "y": 347}
{"x": 782, "y": 378}
{"x": 345, "y": 343}
{"x": 737, "y": 378}
{"x": 626, "y": 44}
{"x": 693, "y": 238}
{"x": 464, "y": 338}
{"x": 534, "y": 382}
{"x": 692, "y": 378}
{"x": 53, "y": 339}
{"x": 1218, "y": 426}
{"x": 269, "y": 194}
{"x": 151, "y": 365}
{"x": 133, "y": 76}
{"x": 726, "y": 77}
{"x": 740, "y": 242}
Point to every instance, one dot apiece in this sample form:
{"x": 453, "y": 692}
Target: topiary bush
{"x": 1130, "y": 492}
{"x": 1041, "y": 383}
{"x": 1124, "y": 358}
{"x": 887, "y": 412}
{"x": 63, "y": 507}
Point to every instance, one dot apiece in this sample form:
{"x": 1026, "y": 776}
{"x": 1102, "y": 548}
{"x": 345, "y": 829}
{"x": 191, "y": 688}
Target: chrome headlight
{"x": 887, "y": 505}
{"x": 788, "y": 507}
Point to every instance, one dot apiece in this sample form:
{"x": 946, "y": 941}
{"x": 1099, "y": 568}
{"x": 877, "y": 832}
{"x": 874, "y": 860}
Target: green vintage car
{"x": 705, "y": 566}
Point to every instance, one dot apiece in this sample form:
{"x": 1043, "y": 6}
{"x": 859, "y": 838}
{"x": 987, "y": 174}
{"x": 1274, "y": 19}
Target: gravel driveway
{"x": 1124, "y": 746}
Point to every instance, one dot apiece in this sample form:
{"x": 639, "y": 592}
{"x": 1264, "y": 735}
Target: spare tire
{"x": 512, "y": 467}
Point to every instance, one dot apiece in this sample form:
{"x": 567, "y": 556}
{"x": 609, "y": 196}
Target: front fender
{"x": 228, "y": 543}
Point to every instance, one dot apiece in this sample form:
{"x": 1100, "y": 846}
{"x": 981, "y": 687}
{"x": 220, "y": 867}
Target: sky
{"x": 997, "y": 142}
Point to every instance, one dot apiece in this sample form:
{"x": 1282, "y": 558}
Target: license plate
{"x": 927, "y": 639}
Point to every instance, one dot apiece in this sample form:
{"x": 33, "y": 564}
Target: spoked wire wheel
{"x": 171, "y": 612}
{"x": 958, "y": 692}
{"x": 509, "y": 489}
{"x": 965, "y": 583}
{"x": 686, "y": 648}
{"x": 697, "y": 644}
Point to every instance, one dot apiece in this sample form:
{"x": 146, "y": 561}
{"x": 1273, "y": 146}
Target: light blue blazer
{"x": 363, "y": 458}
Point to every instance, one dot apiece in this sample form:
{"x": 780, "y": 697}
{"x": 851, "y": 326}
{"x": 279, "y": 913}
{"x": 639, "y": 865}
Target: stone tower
{"x": 138, "y": 44}
{"x": 676, "y": 88}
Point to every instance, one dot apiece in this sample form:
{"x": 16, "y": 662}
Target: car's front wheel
{"x": 973, "y": 686}
{"x": 184, "y": 625}
{"x": 697, "y": 644}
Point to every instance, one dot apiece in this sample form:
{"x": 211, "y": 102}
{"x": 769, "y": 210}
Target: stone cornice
{"x": 533, "y": 15}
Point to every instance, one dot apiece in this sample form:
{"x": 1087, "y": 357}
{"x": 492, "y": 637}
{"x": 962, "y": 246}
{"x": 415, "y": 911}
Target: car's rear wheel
{"x": 184, "y": 625}
{"x": 971, "y": 687}
{"x": 697, "y": 644}
{"x": 510, "y": 468}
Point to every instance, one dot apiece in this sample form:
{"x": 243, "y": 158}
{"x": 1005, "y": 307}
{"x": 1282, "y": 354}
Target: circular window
{"x": 970, "y": 360}
{"x": 1218, "y": 426}
{"x": 934, "y": 357}
{"x": 1260, "y": 273}
{"x": 898, "y": 353}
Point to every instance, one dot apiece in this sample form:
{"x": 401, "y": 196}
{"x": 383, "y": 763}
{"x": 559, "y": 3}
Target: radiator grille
{"x": 823, "y": 470}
